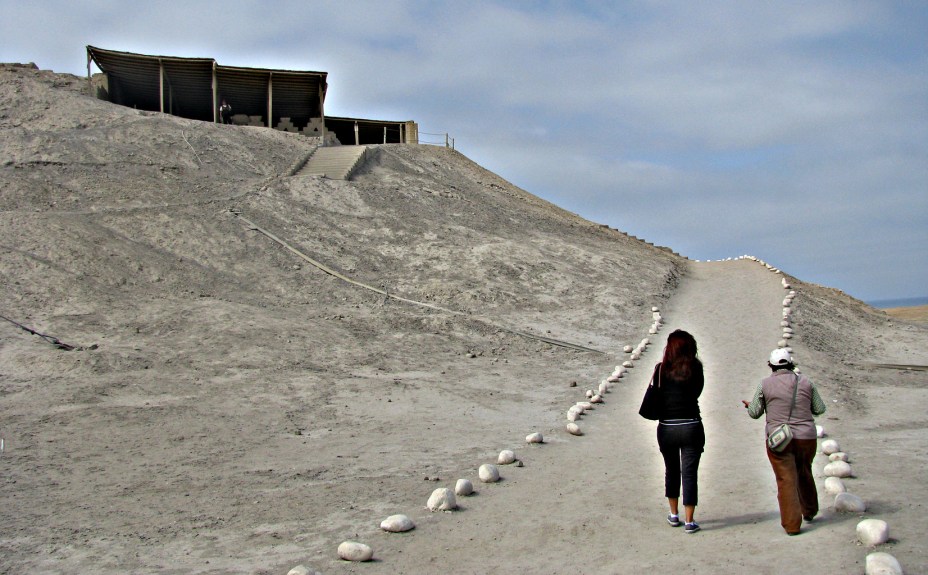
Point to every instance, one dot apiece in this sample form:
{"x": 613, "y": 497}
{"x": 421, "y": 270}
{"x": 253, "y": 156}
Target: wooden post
{"x": 215, "y": 95}
{"x": 270, "y": 98}
{"x": 322, "y": 89}
{"x": 161, "y": 84}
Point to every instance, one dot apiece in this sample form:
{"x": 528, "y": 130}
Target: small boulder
{"x": 627, "y": 349}
{"x": 819, "y": 431}
{"x": 442, "y": 499}
{"x": 463, "y": 487}
{"x": 849, "y": 503}
{"x": 628, "y": 364}
{"x": 834, "y": 486}
{"x": 830, "y": 446}
{"x": 838, "y": 469}
{"x": 574, "y": 429}
{"x": 354, "y": 551}
{"x": 872, "y": 532}
{"x": 838, "y": 456}
{"x": 880, "y": 563}
{"x": 302, "y": 570}
{"x": 489, "y": 473}
{"x": 506, "y": 457}
{"x": 397, "y": 524}
{"x": 534, "y": 438}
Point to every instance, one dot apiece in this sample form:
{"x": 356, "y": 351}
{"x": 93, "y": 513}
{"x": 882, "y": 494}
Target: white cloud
{"x": 656, "y": 117}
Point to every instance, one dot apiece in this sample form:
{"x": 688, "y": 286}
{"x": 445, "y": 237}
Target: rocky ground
{"x": 231, "y": 408}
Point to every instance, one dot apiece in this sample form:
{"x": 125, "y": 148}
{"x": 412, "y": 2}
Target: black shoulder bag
{"x": 653, "y": 402}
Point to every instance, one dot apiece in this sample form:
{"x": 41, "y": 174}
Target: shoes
{"x": 674, "y": 520}
{"x": 691, "y": 527}
{"x": 808, "y": 518}
{"x": 792, "y": 533}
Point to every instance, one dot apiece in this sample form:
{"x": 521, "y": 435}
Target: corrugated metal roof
{"x": 135, "y": 80}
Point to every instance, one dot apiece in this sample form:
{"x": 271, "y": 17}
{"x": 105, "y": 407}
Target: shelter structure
{"x": 194, "y": 88}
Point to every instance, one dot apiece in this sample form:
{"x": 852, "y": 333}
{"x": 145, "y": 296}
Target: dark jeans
{"x": 796, "y": 491}
{"x": 681, "y": 446}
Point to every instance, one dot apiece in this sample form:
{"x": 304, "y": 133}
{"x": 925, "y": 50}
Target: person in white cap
{"x": 788, "y": 397}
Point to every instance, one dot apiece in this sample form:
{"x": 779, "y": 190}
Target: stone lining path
{"x": 594, "y": 504}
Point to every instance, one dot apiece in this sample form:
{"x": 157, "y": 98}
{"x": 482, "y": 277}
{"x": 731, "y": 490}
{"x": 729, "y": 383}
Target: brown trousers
{"x": 796, "y": 491}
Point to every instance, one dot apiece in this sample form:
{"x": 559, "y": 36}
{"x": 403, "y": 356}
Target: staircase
{"x": 333, "y": 162}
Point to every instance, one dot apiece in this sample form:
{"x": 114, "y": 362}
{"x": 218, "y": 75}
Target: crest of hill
{"x": 109, "y": 204}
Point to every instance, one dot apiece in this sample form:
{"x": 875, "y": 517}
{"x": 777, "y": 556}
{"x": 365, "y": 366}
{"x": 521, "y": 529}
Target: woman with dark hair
{"x": 680, "y": 433}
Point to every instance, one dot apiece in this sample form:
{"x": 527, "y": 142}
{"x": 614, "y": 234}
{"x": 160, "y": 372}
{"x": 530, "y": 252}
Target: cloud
{"x": 689, "y": 124}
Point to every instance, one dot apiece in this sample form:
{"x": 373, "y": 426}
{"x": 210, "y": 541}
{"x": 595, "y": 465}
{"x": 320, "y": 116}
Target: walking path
{"x": 594, "y": 504}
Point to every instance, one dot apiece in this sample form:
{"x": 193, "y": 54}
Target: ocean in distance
{"x": 902, "y": 302}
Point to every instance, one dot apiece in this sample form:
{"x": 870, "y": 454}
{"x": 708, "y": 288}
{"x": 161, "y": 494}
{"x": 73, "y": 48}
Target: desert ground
{"x": 228, "y": 407}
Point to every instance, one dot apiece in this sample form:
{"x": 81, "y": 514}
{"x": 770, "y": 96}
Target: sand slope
{"x": 244, "y": 412}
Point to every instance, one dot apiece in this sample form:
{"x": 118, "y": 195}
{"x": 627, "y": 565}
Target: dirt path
{"x": 594, "y": 504}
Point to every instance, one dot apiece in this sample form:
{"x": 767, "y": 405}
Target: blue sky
{"x": 796, "y": 132}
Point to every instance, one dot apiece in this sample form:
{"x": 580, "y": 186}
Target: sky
{"x": 796, "y": 132}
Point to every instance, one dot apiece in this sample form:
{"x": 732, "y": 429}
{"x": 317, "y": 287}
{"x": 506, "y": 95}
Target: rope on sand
{"x": 386, "y": 294}
{"x": 50, "y": 339}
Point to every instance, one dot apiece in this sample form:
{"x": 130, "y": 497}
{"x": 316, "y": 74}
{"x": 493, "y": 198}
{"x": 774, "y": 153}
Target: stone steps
{"x": 333, "y": 162}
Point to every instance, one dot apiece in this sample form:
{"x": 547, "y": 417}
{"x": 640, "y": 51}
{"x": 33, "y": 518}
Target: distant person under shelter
{"x": 225, "y": 112}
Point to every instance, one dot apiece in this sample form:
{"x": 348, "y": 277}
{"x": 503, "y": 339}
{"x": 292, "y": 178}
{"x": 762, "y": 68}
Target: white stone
{"x": 830, "y": 446}
{"x": 397, "y": 524}
{"x": 603, "y": 388}
{"x": 880, "y": 563}
{"x": 489, "y": 473}
{"x": 838, "y": 469}
{"x": 442, "y": 499}
{"x": 636, "y": 355}
{"x": 654, "y": 308}
{"x": 838, "y": 456}
{"x": 596, "y": 399}
{"x": 873, "y": 532}
{"x": 819, "y": 431}
{"x": 506, "y": 457}
{"x": 627, "y": 349}
{"x": 572, "y": 415}
{"x": 574, "y": 429}
{"x": 781, "y": 343}
{"x": 628, "y": 364}
{"x": 613, "y": 378}
{"x": 463, "y": 487}
{"x": 849, "y": 503}
{"x": 301, "y": 570}
{"x": 653, "y": 330}
{"x": 354, "y": 551}
{"x": 534, "y": 438}
{"x": 585, "y": 405}
{"x": 784, "y": 323}
{"x": 787, "y": 336}
{"x": 589, "y": 393}
{"x": 834, "y": 486}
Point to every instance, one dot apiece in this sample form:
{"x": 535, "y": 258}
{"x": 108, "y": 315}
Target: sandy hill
{"x": 230, "y": 407}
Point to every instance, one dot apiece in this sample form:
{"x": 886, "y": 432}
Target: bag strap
{"x": 795, "y": 390}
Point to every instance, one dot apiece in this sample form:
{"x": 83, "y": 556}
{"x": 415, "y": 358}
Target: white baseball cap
{"x": 780, "y": 356}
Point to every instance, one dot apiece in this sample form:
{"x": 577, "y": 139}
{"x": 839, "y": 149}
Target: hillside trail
{"x": 594, "y": 504}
